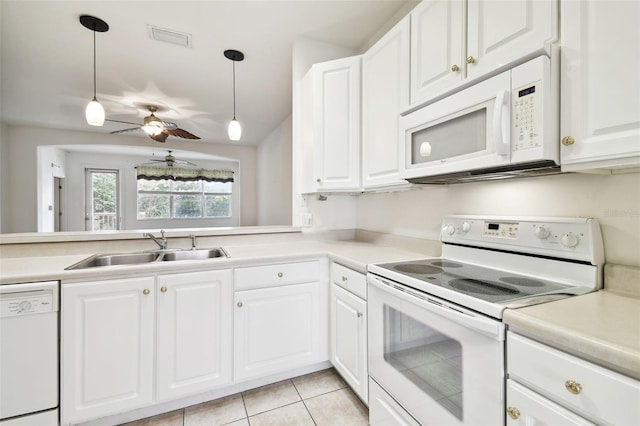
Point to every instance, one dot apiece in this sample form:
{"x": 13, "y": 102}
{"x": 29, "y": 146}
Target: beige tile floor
{"x": 320, "y": 399}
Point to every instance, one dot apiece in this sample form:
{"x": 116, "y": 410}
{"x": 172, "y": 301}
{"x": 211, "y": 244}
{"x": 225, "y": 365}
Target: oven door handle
{"x": 489, "y": 327}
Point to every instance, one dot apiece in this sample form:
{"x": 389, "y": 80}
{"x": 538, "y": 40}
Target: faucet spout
{"x": 162, "y": 242}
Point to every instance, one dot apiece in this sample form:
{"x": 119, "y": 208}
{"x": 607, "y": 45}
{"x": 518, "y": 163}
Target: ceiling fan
{"x": 171, "y": 161}
{"x": 156, "y": 129}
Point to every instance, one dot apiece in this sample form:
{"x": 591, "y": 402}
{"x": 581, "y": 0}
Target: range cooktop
{"x": 488, "y": 284}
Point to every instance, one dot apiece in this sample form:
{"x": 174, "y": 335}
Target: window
{"x": 101, "y": 200}
{"x": 171, "y": 199}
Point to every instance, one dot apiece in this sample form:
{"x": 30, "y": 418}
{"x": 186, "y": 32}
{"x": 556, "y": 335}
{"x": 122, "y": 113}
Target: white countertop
{"x": 355, "y": 255}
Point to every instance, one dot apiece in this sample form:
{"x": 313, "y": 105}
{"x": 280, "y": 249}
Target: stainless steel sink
{"x": 148, "y": 257}
{"x": 196, "y": 254}
{"x": 116, "y": 259}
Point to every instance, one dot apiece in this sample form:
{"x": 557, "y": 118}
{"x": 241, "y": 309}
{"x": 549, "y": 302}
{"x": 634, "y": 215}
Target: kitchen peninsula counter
{"x": 602, "y": 327}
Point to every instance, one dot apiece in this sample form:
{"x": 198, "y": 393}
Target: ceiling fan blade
{"x": 124, "y": 122}
{"x": 160, "y": 137}
{"x": 180, "y": 133}
{"x": 133, "y": 129}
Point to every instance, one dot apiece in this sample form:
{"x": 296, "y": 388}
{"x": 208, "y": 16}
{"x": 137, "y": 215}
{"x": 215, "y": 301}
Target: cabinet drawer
{"x": 525, "y": 407}
{"x": 350, "y": 280}
{"x": 599, "y": 394}
{"x": 274, "y": 275}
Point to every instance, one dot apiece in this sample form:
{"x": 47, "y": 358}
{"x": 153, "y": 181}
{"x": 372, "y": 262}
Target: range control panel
{"x": 575, "y": 238}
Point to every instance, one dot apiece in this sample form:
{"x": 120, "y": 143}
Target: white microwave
{"x": 505, "y": 126}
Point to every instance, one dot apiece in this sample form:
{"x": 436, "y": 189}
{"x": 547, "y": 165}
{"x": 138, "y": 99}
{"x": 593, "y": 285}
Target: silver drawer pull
{"x": 344, "y": 278}
{"x": 359, "y": 314}
{"x": 280, "y": 274}
{"x": 239, "y": 304}
{"x": 573, "y": 386}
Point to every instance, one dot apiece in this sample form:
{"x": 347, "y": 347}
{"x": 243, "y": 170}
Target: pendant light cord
{"x": 234, "y": 89}
{"x": 94, "y": 62}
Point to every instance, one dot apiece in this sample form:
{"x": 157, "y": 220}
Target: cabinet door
{"x": 278, "y": 329}
{"x": 194, "y": 332}
{"x": 385, "y": 91}
{"x": 501, "y": 32}
{"x": 336, "y": 117}
{"x": 525, "y": 407}
{"x": 437, "y": 31}
{"x": 348, "y": 351}
{"x": 107, "y": 340}
{"x": 600, "y": 98}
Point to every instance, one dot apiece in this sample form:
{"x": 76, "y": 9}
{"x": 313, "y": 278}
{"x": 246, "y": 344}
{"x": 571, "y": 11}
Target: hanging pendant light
{"x": 94, "y": 112}
{"x": 235, "y": 131}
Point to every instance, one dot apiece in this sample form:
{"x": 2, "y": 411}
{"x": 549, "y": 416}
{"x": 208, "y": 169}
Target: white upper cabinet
{"x": 385, "y": 92}
{"x": 455, "y": 42}
{"x": 437, "y": 49}
{"x": 500, "y": 32}
{"x": 336, "y": 124}
{"x": 600, "y": 88}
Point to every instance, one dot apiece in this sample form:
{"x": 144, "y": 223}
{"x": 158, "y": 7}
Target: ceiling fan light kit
{"x": 156, "y": 129}
{"x": 234, "y": 130}
{"x": 94, "y": 112}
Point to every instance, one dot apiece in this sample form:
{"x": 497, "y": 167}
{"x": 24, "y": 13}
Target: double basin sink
{"x": 149, "y": 257}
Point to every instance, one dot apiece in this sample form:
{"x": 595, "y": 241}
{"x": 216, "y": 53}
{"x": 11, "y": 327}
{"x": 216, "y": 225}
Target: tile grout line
{"x": 304, "y": 403}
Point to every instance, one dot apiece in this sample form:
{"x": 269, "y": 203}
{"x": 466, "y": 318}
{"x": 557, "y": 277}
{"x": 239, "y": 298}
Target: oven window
{"x": 466, "y": 134}
{"x": 428, "y": 358}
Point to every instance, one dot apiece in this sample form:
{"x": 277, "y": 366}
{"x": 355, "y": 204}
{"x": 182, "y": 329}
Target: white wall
{"x": 51, "y": 164}
{"x": 23, "y": 142}
{"x": 4, "y": 176}
{"x": 613, "y": 200}
{"x": 274, "y": 176}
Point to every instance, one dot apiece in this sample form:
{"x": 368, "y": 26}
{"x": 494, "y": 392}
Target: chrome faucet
{"x": 162, "y": 242}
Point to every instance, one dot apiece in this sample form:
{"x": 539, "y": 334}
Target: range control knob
{"x": 466, "y": 226}
{"x": 449, "y": 229}
{"x": 541, "y": 232}
{"x": 569, "y": 240}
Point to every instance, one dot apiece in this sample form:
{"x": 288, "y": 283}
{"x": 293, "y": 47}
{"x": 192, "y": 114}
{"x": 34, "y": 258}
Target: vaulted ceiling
{"x": 46, "y": 59}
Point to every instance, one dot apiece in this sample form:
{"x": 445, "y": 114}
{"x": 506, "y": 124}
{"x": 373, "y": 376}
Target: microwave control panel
{"x": 527, "y": 116}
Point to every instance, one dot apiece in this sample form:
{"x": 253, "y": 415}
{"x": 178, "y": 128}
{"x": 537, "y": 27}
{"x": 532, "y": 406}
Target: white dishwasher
{"x": 29, "y": 354}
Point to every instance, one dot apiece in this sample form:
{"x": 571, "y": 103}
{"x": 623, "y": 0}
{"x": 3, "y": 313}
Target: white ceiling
{"x": 46, "y": 60}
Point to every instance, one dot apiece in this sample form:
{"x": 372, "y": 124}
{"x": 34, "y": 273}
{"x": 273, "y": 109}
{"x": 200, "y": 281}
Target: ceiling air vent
{"x": 169, "y": 36}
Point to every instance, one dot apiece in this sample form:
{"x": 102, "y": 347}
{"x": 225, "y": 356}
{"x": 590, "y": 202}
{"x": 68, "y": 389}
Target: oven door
{"x": 442, "y": 363}
{"x": 465, "y": 131}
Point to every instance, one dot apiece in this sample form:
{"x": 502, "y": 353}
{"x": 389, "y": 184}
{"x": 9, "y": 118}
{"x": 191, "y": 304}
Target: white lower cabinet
{"x": 348, "y": 329}
{"x": 548, "y": 386}
{"x": 107, "y": 332}
{"x": 281, "y": 324}
{"x": 194, "y": 323}
{"x": 109, "y": 344}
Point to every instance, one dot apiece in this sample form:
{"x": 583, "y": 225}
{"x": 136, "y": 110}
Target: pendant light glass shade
{"x": 95, "y": 113}
{"x": 235, "y": 131}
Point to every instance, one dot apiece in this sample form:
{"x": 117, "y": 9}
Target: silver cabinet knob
{"x": 344, "y": 278}
{"x": 146, "y": 291}
{"x": 280, "y": 274}
{"x": 359, "y": 314}
{"x": 163, "y": 289}
{"x": 239, "y": 304}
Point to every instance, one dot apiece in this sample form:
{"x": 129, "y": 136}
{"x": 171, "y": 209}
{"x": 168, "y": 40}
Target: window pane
{"x": 194, "y": 186}
{"x": 217, "y": 206}
{"x": 218, "y": 187}
{"x": 153, "y": 185}
{"x": 153, "y": 206}
{"x": 187, "y": 206}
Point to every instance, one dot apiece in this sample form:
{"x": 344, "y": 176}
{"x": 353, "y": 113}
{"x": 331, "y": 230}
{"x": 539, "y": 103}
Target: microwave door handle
{"x": 500, "y": 121}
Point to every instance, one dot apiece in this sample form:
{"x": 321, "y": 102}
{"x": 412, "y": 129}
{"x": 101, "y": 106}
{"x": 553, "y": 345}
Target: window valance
{"x": 183, "y": 175}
